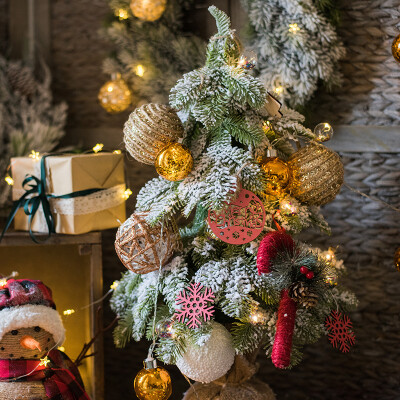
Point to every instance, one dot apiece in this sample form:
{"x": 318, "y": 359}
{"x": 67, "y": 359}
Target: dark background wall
{"x": 367, "y": 232}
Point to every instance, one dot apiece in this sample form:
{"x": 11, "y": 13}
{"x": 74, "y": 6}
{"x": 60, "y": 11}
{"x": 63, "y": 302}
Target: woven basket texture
{"x": 369, "y": 94}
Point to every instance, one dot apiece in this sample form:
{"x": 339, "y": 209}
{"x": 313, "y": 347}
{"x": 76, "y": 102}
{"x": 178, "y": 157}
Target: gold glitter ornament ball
{"x": 153, "y": 384}
{"x": 317, "y": 174}
{"x": 396, "y": 48}
{"x": 397, "y": 259}
{"x": 174, "y": 162}
{"x": 149, "y": 129}
{"x": 148, "y": 10}
{"x": 115, "y": 96}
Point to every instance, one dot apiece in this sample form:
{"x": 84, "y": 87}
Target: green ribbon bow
{"x": 35, "y": 196}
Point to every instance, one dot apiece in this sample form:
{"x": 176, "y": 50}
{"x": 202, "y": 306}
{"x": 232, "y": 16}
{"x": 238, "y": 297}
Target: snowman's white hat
{"x": 26, "y": 303}
{"x": 31, "y": 315}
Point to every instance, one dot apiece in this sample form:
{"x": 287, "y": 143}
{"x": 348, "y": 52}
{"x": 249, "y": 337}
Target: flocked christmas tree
{"x": 232, "y": 281}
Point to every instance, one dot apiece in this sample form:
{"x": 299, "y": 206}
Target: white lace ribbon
{"x": 95, "y": 202}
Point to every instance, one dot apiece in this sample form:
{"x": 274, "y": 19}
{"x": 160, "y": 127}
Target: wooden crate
{"x": 72, "y": 267}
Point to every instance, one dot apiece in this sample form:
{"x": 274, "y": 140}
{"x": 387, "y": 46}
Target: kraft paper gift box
{"x": 70, "y": 173}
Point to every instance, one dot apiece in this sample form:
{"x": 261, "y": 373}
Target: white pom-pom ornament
{"x": 211, "y": 360}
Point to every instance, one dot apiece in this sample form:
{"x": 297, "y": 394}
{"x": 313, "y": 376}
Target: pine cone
{"x": 301, "y": 293}
{"x": 21, "y": 79}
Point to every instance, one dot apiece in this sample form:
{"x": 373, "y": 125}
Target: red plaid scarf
{"x": 60, "y": 378}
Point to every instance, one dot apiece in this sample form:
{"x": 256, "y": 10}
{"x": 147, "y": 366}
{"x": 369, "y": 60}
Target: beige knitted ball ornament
{"x": 317, "y": 174}
{"x": 149, "y": 129}
{"x": 141, "y": 247}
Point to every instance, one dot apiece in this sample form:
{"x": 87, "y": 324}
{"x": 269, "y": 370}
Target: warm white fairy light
{"x": 288, "y": 207}
{"x": 127, "y": 194}
{"x": 117, "y": 151}
{"x": 98, "y": 147}
{"x": 3, "y": 282}
{"x": 294, "y": 28}
{"x": 9, "y": 180}
{"x": 34, "y": 155}
{"x": 122, "y": 14}
{"x": 61, "y": 348}
{"x": 278, "y": 89}
{"x": 114, "y": 285}
{"x": 140, "y": 70}
{"x": 69, "y": 312}
{"x": 44, "y": 361}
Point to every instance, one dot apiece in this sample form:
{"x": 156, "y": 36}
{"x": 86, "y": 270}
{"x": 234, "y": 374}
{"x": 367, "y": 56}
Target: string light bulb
{"x": 278, "y": 90}
{"x": 140, "y": 70}
{"x": 122, "y": 14}
{"x": 35, "y": 155}
{"x": 127, "y": 194}
{"x": 9, "y": 180}
{"x": 61, "y": 348}
{"x": 98, "y": 147}
{"x": 114, "y": 285}
{"x": 69, "y": 312}
{"x": 294, "y": 28}
{"x": 3, "y": 282}
{"x": 288, "y": 208}
{"x": 44, "y": 361}
{"x": 257, "y": 316}
{"x": 330, "y": 255}
{"x": 117, "y": 152}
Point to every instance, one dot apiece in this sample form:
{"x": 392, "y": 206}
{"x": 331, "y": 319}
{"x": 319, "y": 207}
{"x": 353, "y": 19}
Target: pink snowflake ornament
{"x": 194, "y": 305}
{"x": 340, "y": 330}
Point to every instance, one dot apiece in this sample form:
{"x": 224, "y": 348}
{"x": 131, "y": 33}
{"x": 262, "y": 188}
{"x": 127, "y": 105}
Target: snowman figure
{"x": 31, "y": 330}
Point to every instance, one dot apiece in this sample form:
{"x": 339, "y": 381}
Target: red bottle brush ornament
{"x": 271, "y": 245}
{"x": 282, "y": 347}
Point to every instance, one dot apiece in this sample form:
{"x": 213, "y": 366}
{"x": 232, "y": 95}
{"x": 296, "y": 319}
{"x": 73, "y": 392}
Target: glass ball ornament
{"x": 115, "y": 96}
{"x": 247, "y": 60}
{"x": 152, "y": 382}
{"x": 323, "y": 131}
{"x": 277, "y": 173}
{"x": 165, "y": 328}
{"x": 396, "y": 48}
{"x": 174, "y": 162}
{"x": 148, "y": 10}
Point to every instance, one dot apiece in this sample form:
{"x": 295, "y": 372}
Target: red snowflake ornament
{"x": 194, "y": 305}
{"x": 340, "y": 330}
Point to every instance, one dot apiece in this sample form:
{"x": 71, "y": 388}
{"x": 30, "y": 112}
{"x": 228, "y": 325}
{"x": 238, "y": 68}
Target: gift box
{"x": 99, "y": 179}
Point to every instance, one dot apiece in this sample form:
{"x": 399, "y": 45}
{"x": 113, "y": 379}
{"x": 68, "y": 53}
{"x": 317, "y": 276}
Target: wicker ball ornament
{"x": 142, "y": 248}
{"x": 115, "y": 96}
{"x": 317, "y": 174}
{"x": 211, "y": 360}
{"x": 149, "y": 129}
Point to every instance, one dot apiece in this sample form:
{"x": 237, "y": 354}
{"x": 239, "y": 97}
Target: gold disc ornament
{"x": 174, "y": 162}
{"x": 152, "y": 382}
{"x": 277, "y": 173}
{"x": 115, "y": 96}
{"x": 148, "y": 10}
{"x": 143, "y": 248}
{"x": 149, "y": 129}
{"x": 396, "y": 48}
{"x": 317, "y": 174}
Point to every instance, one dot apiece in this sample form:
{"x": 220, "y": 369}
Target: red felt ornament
{"x": 282, "y": 347}
{"x": 241, "y": 221}
{"x": 272, "y": 244}
{"x": 340, "y": 330}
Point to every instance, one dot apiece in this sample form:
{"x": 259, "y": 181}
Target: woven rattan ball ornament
{"x": 149, "y": 129}
{"x": 148, "y": 10}
{"x": 174, "y": 162}
{"x": 115, "y": 96}
{"x": 396, "y": 48}
{"x": 143, "y": 248}
{"x": 317, "y": 174}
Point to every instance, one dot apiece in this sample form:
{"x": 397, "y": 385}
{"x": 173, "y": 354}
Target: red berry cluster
{"x": 305, "y": 271}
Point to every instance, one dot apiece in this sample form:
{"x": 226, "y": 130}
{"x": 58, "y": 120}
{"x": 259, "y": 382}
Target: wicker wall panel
{"x": 370, "y": 91}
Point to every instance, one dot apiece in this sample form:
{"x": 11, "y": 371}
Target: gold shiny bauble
{"x": 149, "y": 129}
{"x": 148, "y": 10}
{"x": 153, "y": 384}
{"x": 277, "y": 173}
{"x": 323, "y": 132}
{"x": 397, "y": 259}
{"x": 317, "y": 174}
{"x": 174, "y": 162}
{"x": 115, "y": 96}
{"x": 396, "y": 48}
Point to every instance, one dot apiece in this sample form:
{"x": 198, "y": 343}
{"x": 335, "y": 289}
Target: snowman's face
{"x": 26, "y": 343}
